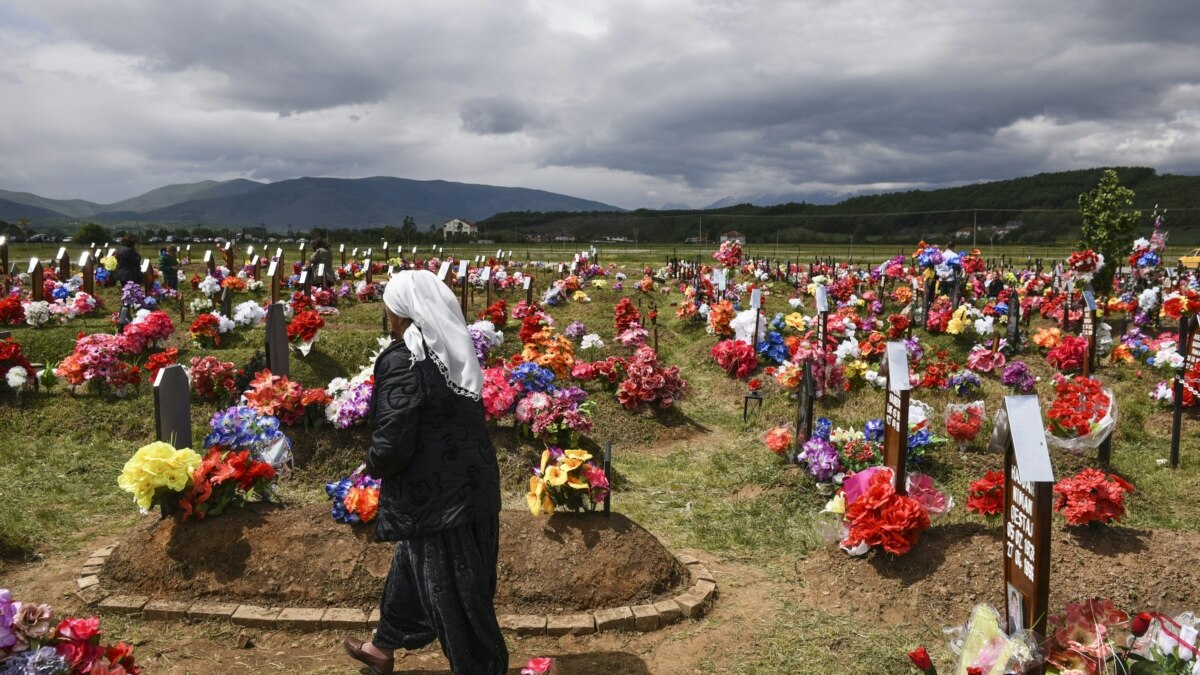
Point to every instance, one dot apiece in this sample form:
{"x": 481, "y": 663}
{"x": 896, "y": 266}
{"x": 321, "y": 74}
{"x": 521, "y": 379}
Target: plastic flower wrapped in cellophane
{"x": 566, "y": 479}
{"x": 983, "y": 644}
{"x": 244, "y": 428}
{"x": 158, "y": 474}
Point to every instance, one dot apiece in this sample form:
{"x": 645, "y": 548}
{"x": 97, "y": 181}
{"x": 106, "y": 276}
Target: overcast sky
{"x": 634, "y": 103}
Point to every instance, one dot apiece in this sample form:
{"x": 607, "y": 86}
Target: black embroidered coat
{"x": 431, "y": 448}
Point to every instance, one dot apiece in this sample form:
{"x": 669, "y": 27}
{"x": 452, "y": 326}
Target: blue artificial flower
{"x": 920, "y": 439}
{"x": 337, "y": 492}
{"x": 61, "y": 293}
{"x": 102, "y": 275}
{"x": 1002, "y": 308}
{"x": 822, "y": 428}
{"x": 242, "y": 427}
{"x": 533, "y": 377}
{"x": 873, "y": 430}
{"x": 964, "y": 383}
{"x": 778, "y": 323}
{"x": 773, "y": 348}
{"x": 44, "y": 661}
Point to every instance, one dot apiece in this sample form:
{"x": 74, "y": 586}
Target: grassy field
{"x": 698, "y": 477}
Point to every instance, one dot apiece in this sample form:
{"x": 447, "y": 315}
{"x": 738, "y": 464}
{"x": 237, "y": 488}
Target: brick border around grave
{"x": 690, "y": 604}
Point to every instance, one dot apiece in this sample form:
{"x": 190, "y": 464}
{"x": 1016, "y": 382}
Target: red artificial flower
{"x": 626, "y": 315}
{"x": 304, "y": 326}
{"x": 1140, "y": 623}
{"x": 736, "y": 357}
{"x": 497, "y": 313}
{"x": 1079, "y": 403}
{"x": 1091, "y": 496}
{"x": 159, "y": 361}
{"x": 1069, "y": 355}
{"x": 986, "y": 495}
{"x": 920, "y": 659}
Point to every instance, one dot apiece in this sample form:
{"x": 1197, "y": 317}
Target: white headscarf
{"x": 437, "y": 324}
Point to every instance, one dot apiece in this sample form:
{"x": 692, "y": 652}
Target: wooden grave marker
{"x": 1189, "y": 335}
{"x": 462, "y": 280}
{"x": 147, "y": 275}
{"x": 806, "y": 395}
{"x": 273, "y": 278}
{"x": 822, "y": 295}
{"x": 303, "y": 253}
{"x": 321, "y": 279}
{"x": 527, "y": 282}
{"x": 173, "y": 407}
{"x": 64, "y": 264}
{"x": 443, "y": 272}
{"x": 277, "y": 340}
{"x": 1014, "y": 323}
{"x": 753, "y": 394}
{"x": 895, "y": 415}
{"x": 3, "y": 255}
{"x": 1028, "y": 501}
{"x": 485, "y": 275}
{"x": 88, "y": 273}
{"x": 367, "y": 275}
{"x": 1087, "y": 330}
{"x": 305, "y": 282}
{"x": 342, "y": 253}
{"x": 226, "y": 303}
{"x": 210, "y": 263}
{"x": 37, "y": 286}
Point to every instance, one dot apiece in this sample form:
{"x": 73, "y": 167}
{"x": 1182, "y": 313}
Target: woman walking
{"x": 440, "y": 497}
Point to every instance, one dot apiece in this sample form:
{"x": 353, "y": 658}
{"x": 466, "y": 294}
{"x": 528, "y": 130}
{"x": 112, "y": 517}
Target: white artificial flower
{"x": 796, "y": 303}
{"x": 743, "y": 326}
{"x": 1148, "y": 299}
{"x": 201, "y": 304}
{"x": 985, "y": 326}
{"x": 37, "y": 313}
{"x": 1141, "y": 242}
{"x": 848, "y": 349}
{"x": 16, "y": 377}
{"x": 224, "y": 325}
{"x": 591, "y": 341}
{"x": 209, "y": 286}
{"x": 249, "y": 313}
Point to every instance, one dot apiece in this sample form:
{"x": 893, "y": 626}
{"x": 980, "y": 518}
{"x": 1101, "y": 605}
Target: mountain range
{"x": 300, "y": 202}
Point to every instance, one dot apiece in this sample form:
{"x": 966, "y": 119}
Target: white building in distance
{"x": 458, "y": 226}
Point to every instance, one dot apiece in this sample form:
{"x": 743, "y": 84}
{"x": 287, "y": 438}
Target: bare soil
{"x": 263, "y": 554}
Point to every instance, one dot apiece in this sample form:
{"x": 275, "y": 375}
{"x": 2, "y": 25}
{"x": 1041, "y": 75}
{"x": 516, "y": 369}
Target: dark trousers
{"x": 441, "y": 587}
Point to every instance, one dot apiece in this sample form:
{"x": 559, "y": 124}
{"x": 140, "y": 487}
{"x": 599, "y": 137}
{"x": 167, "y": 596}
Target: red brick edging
{"x": 691, "y": 604}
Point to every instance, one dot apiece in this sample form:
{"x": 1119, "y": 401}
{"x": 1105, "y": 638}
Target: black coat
{"x": 431, "y": 448}
{"x": 129, "y": 267}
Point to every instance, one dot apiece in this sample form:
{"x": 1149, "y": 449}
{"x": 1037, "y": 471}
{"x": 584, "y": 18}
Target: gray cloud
{"x": 630, "y": 102}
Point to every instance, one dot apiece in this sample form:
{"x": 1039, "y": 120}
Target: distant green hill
{"x": 302, "y": 203}
{"x": 1046, "y": 205}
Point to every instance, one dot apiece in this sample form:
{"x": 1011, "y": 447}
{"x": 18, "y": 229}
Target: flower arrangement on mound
{"x": 1017, "y": 376}
{"x": 625, "y": 315}
{"x": 355, "y": 498}
{"x": 720, "y": 315}
{"x": 566, "y": 479}
{"x": 33, "y": 642}
{"x": 875, "y": 515}
{"x": 1091, "y": 496}
{"x": 207, "y": 329}
{"x": 15, "y": 369}
{"x": 729, "y": 254}
{"x": 280, "y": 397}
{"x": 648, "y": 382}
{"x": 497, "y": 313}
{"x": 986, "y": 495}
{"x": 1082, "y": 414}
{"x": 212, "y": 378}
{"x": 1069, "y": 355}
{"x": 735, "y": 357}
{"x": 224, "y": 480}
{"x": 96, "y": 362}
{"x": 964, "y": 422}
{"x": 302, "y": 331}
{"x": 157, "y": 475}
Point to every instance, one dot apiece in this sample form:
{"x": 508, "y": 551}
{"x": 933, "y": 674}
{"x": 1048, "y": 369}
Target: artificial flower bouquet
{"x": 964, "y": 422}
{"x": 1181, "y": 303}
{"x": 625, "y": 315}
{"x": 160, "y": 360}
{"x": 355, "y": 498}
{"x": 1082, "y": 415}
{"x": 566, "y": 479}
{"x": 985, "y": 496}
{"x": 33, "y": 641}
{"x": 1069, "y": 355}
{"x": 497, "y": 313}
{"x": 983, "y": 646}
{"x": 649, "y": 382}
{"x": 280, "y": 397}
{"x": 15, "y": 370}
{"x": 729, "y": 254}
{"x": 484, "y": 338}
{"x": 212, "y": 379}
{"x": 720, "y": 315}
{"x": 875, "y": 515}
{"x": 226, "y": 479}
{"x": 779, "y": 440}
{"x": 1091, "y": 496}
{"x": 158, "y": 475}
{"x": 96, "y": 362}
{"x": 302, "y": 331}
{"x": 540, "y": 665}
{"x": 1085, "y": 264}
{"x": 208, "y": 329}
{"x": 735, "y": 357}
{"x": 244, "y": 428}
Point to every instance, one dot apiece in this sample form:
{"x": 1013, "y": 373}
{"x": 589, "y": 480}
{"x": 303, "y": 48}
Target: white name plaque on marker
{"x": 443, "y": 270}
{"x": 485, "y": 275}
{"x": 822, "y": 299}
{"x": 462, "y": 268}
{"x": 756, "y": 299}
{"x": 526, "y": 283}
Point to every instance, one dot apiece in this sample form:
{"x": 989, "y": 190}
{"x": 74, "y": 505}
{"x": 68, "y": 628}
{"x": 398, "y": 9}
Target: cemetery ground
{"x": 697, "y": 477}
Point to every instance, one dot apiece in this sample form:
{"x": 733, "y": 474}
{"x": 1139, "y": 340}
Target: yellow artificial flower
{"x": 599, "y": 284}
{"x": 573, "y": 459}
{"x": 154, "y": 466}
{"x": 537, "y": 499}
{"x": 837, "y": 504}
{"x": 556, "y": 476}
{"x": 545, "y": 461}
{"x": 580, "y": 296}
{"x": 110, "y": 263}
{"x": 795, "y": 321}
{"x": 856, "y": 369}
{"x": 574, "y": 481}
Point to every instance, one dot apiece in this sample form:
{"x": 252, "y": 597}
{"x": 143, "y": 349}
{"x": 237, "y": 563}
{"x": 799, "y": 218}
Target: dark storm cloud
{"x": 632, "y": 102}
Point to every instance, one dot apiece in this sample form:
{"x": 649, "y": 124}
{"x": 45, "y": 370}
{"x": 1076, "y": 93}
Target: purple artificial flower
{"x": 915, "y": 351}
{"x": 1017, "y": 375}
{"x": 482, "y": 344}
{"x": 575, "y": 330}
{"x": 822, "y": 459}
{"x": 8, "y": 638}
{"x": 133, "y": 295}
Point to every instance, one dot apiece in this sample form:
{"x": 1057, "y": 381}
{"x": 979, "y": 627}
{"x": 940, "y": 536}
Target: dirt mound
{"x": 955, "y": 567}
{"x": 297, "y": 556}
